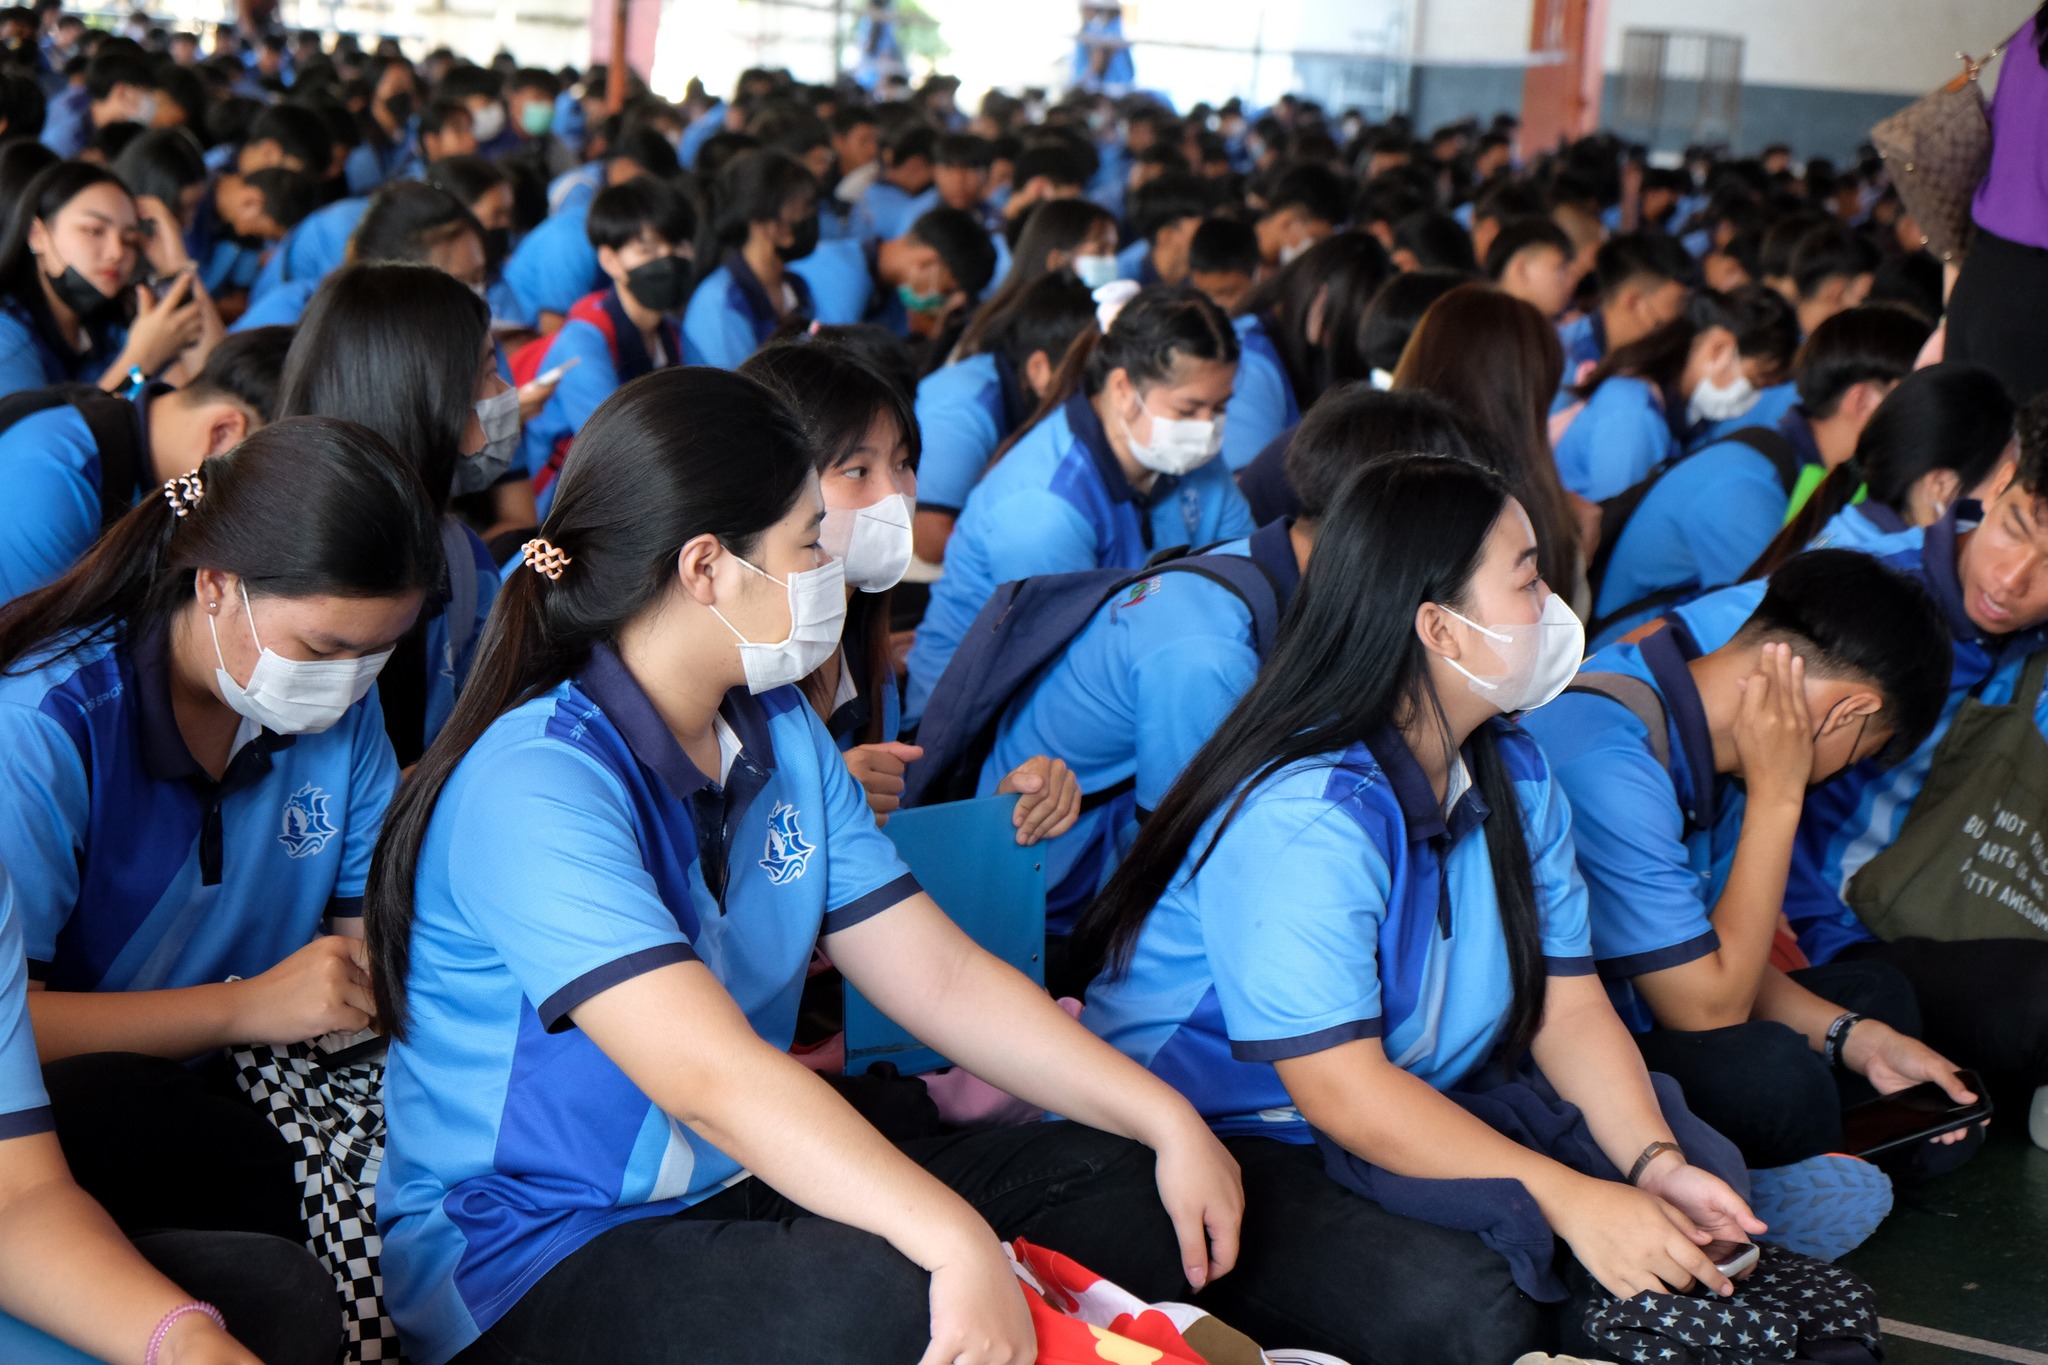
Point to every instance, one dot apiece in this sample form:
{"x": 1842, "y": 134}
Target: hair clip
{"x": 544, "y": 559}
{"x": 183, "y": 493}
{"x": 1110, "y": 300}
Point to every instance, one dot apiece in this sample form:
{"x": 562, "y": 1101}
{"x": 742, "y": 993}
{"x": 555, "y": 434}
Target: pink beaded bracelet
{"x": 170, "y": 1320}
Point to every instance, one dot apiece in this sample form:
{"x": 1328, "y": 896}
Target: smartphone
{"x": 554, "y": 376}
{"x": 1890, "y": 1122}
{"x": 361, "y": 1046}
{"x": 1733, "y": 1259}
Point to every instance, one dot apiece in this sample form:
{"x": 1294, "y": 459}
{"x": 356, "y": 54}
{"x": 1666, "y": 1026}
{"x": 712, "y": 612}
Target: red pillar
{"x": 1561, "y": 86}
{"x": 642, "y": 18}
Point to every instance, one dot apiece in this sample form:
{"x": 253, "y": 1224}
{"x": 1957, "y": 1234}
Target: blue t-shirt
{"x": 1142, "y": 687}
{"x": 51, "y": 467}
{"x": 840, "y": 282}
{"x": 375, "y": 160}
{"x": 133, "y": 869}
{"x": 886, "y": 212}
{"x": 283, "y": 306}
{"x": 1385, "y": 925}
{"x": 1059, "y": 502}
{"x": 1262, "y": 402}
{"x": 964, "y": 411}
{"x": 29, "y": 361}
{"x": 1868, "y": 526}
{"x": 554, "y": 265}
{"x": 1704, "y": 523}
{"x": 562, "y": 859}
{"x": 1769, "y": 409}
{"x": 1616, "y": 440}
{"x": 730, "y": 316}
{"x": 1654, "y": 845}
{"x": 24, "y": 1105}
{"x": 1585, "y": 345}
{"x": 312, "y": 250}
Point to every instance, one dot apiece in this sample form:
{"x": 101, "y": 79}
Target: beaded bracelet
{"x": 1838, "y": 1037}
{"x": 170, "y": 1320}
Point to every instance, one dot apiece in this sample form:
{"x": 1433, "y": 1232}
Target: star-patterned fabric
{"x": 1786, "y": 1308}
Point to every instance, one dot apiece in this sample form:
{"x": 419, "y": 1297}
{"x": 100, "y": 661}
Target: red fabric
{"x": 1082, "y": 1319}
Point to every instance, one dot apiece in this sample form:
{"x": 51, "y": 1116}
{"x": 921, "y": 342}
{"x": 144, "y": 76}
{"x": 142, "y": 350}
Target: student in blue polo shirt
{"x": 1944, "y": 434}
{"x": 764, "y": 214}
{"x": 387, "y": 132}
{"x": 555, "y": 264}
{"x": 1686, "y": 860}
{"x": 1645, "y": 401}
{"x": 866, "y": 436}
{"x": 406, "y": 351}
{"x": 641, "y": 230}
{"x": 968, "y": 408}
{"x": 1644, "y": 280}
{"x": 1709, "y": 516}
{"x": 1147, "y": 682}
{"x": 903, "y": 190}
{"x": 197, "y": 776}
{"x": 1166, "y": 211}
{"x": 96, "y": 1292}
{"x": 55, "y": 469}
{"x": 1358, "y": 896}
{"x": 1123, "y": 466}
{"x": 68, "y": 309}
{"x": 595, "y": 906}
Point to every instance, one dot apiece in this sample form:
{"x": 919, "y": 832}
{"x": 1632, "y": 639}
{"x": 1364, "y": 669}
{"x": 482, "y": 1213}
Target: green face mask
{"x": 919, "y": 303}
{"x": 537, "y": 118}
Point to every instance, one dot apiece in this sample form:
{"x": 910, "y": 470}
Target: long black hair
{"x": 20, "y": 273}
{"x": 1403, "y": 531}
{"x": 302, "y": 508}
{"x": 1950, "y": 416}
{"x": 396, "y": 348}
{"x": 754, "y": 187}
{"x": 674, "y": 455}
{"x": 1313, "y": 307}
{"x": 1055, "y": 225}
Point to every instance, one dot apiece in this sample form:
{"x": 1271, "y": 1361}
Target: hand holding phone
{"x": 1733, "y": 1259}
{"x": 548, "y": 379}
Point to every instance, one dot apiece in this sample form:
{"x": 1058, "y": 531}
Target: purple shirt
{"x": 2012, "y": 200}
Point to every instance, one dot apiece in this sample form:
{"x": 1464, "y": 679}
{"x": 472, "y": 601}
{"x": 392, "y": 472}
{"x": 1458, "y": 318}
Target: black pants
{"x": 1985, "y": 1004}
{"x": 163, "y": 1145}
{"x": 1761, "y": 1084}
{"x": 1324, "y": 1269}
{"x": 749, "y": 1278}
{"x": 277, "y": 1298}
{"x": 1994, "y": 313}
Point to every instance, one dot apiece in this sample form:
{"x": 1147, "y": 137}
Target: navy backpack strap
{"x": 1253, "y": 585}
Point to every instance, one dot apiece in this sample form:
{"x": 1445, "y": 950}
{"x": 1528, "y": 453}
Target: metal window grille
{"x": 1679, "y": 86}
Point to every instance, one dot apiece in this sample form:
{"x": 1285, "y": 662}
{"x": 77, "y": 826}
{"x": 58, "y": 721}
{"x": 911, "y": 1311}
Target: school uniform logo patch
{"x": 1136, "y": 593}
{"x": 789, "y": 853}
{"x": 307, "y": 827}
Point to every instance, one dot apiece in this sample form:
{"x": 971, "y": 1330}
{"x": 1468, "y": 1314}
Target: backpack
{"x": 1617, "y": 511}
{"x": 1642, "y": 701}
{"x": 1022, "y": 631}
{"x": 111, "y": 421}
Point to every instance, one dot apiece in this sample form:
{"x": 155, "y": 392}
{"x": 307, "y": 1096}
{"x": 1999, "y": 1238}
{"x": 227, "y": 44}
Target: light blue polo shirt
{"x": 1616, "y": 440}
{"x": 554, "y": 265}
{"x": 27, "y": 360}
{"x": 840, "y": 282}
{"x": 1868, "y": 526}
{"x": 600, "y": 372}
{"x": 730, "y": 316}
{"x": 1058, "y": 502}
{"x": 133, "y": 869}
{"x": 1769, "y": 409}
{"x": 1705, "y": 521}
{"x": 1585, "y": 344}
{"x": 1262, "y": 402}
{"x": 562, "y": 859}
{"x": 50, "y": 465}
{"x": 886, "y": 212}
{"x": 283, "y": 306}
{"x": 1654, "y": 845}
{"x": 312, "y": 250}
{"x": 1386, "y": 925}
{"x": 1141, "y": 688}
{"x": 24, "y": 1105}
{"x": 964, "y": 411}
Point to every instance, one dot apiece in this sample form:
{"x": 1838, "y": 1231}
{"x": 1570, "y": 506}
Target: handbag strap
{"x": 1973, "y": 67}
{"x": 2027, "y": 692}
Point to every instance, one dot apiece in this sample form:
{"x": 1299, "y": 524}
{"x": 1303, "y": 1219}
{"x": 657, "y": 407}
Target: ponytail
{"x": 674, "y": 455}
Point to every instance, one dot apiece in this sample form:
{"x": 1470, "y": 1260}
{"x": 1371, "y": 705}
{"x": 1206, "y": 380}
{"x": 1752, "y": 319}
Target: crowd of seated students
{"x": 487, "y": 563}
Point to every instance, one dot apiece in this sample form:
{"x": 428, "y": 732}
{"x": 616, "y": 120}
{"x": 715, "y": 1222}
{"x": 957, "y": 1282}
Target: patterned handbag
{"x": 1937, "y": 149}
{"x": 334, "y": 1115}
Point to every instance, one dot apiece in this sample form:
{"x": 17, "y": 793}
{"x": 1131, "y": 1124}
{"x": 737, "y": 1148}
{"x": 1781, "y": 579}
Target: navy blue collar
{"x": 1882, "y": 516}
{"x": 1148, "y": 273}
{"x": 1087, "y": 428}
{"x": 1795, "y": 427}
{"x": 1938, "y": 567}
{"x": 1421, "y": 813}
{"x": 632, "y": 358}
{"x": 1016, "y": 407}
{"x": 1664, "y": 653}
{"x": 165, "y": 755}
{"x": 145, "y": 465}
{"x": 1272, "y": 549}
{"x": 607, "y": 681}
{"x": 1597, "y": 325}
{"x": 766, "y": 313}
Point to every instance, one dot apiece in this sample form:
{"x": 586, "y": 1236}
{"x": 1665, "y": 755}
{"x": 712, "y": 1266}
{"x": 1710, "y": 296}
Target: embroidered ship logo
{"x": 306, "y": 825}
{"x": 789, "y": 853}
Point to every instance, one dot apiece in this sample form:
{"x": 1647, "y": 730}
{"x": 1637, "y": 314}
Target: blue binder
{"x": 965, "y": 853}
{"x": 21, "y": 1344}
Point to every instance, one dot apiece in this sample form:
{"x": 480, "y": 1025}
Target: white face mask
{"x": 1176, "y": 447}
{"x": 145, "y": 111}
{"x": 294, "y": 696}
{"x": 817, "y": 612}
{"x": 1292, "y": 252}
{"x": 498, "y": 415}
{"x": 1713, "y": 402}
{"x": 873, "y": 543}
{"x": 487, "y": 122}
{"x": 1095, "y": 271}
{"x": 1540, "y": 659}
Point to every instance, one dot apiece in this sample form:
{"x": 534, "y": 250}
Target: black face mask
{"x": 497, "y": 246}
{"x": 806, "y": 241}
{"x": 661, "y": 284}
{"x": 399, "y": 106}
{"x": 83, "y": 297}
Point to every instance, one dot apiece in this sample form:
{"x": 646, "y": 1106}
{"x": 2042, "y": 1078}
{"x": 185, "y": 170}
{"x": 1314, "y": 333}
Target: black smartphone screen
{"x": 1913, "y": 1115}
